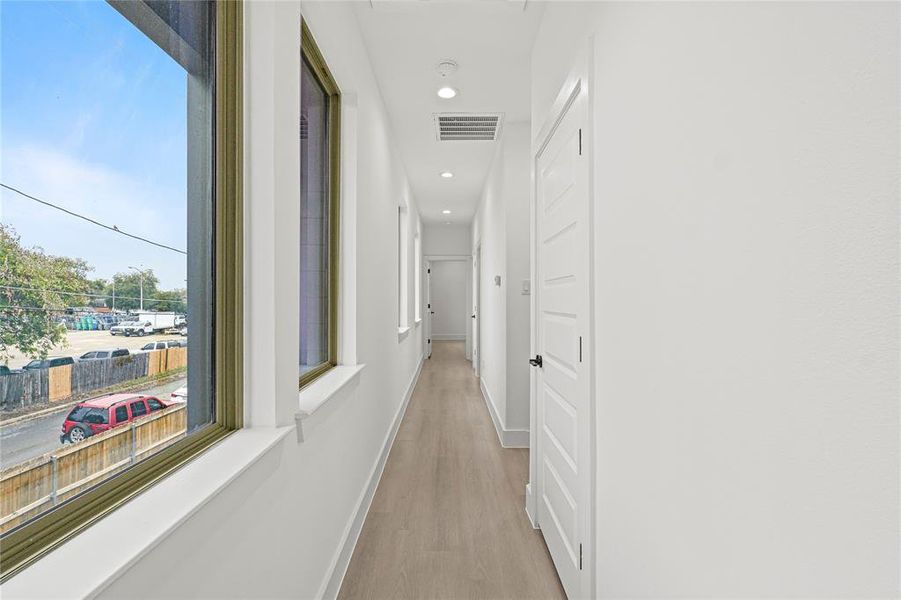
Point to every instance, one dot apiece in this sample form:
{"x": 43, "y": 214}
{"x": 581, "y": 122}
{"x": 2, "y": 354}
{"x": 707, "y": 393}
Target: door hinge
{"x": 580, "y": 142}
{"x": 430, "y": 305}
{"x": 580, "y": 348}
{"x": 429, "y": 341}
{"x": 580, "y": 557}
{"x": 430, "y": 270}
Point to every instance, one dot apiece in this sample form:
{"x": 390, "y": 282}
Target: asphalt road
{"x": 34, "y": 437}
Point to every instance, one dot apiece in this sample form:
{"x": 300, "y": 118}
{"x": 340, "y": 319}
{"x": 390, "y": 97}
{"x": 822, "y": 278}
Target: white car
{"x": 180, "y": 395}
{"x": 121, "y": 328}
{"x": 138, "y": 328}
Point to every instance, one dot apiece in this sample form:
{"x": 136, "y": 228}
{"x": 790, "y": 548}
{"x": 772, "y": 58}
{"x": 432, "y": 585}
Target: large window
{"x": 320, "y": 121}
{"x": 120, "y": 254}
{"x": 402, "y": 288}
{"x": 417, "y": 278}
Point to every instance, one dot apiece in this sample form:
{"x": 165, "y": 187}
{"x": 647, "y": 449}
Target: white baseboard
{"x": 509, "y": 438}
{"x": 448, "y": 337}
{"x": 332, "y": 584}
{"x": 531, "y": 511}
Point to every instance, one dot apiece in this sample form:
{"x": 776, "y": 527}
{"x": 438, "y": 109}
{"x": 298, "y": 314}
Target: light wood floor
{"x": 448, "y": 518}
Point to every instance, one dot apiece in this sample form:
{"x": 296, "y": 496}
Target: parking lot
{"x": 79, "y": 342}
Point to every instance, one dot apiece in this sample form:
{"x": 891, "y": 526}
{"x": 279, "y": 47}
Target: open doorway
{"x": 448, "y": 280}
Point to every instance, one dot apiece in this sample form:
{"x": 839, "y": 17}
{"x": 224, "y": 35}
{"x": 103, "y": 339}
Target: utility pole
{"x": 141, "y": 273}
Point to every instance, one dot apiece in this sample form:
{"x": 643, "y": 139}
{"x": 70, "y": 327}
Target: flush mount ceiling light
{"x": 447, "y": 174}
{"x": 447, "y": 92}
{"x": 445, "y": 212}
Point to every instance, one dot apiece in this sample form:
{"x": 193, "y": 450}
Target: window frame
{"x": 309, "y": 52}
{"x": 24, "y": 545}
{"x": 417, "y": 279}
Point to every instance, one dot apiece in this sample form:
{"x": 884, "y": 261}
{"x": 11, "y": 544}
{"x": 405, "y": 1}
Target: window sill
{"x": 417, "y": 322}
{"x": 91, "y": 560}
{"x": 318, "y": 393}
{"x": 402, "y": 332}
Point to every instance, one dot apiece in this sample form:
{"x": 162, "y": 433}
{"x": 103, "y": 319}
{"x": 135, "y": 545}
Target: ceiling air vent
{"x": 482, "y": 127}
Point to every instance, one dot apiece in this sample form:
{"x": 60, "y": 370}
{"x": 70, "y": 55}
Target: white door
{"x": 428, "y": 310}
{"x": 562, "y": 310}
{"x": 476, "y": 316}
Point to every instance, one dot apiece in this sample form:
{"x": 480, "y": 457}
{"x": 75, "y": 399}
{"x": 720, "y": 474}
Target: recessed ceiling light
{"x": 447, "y": 92}
{"x": 447, "y": 174}
{"x": 445, "y": 212}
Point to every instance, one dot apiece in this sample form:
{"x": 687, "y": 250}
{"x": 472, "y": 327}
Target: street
{"x": 34, "y": 437}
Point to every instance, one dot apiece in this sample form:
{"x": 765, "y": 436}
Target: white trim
{"x": 446, "y": 257}
{"x": 509, "y": 438}
{"x": 531, "y": 507}
{"x": 331, "y": 585}
{"x": 312, "y": 397}
{"x": 448, "y": 337}
{"x": 99, "y": 555}
{"x": 402, "y": 332}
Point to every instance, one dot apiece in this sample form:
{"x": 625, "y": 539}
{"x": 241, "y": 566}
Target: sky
{"x": 92, "y": 118}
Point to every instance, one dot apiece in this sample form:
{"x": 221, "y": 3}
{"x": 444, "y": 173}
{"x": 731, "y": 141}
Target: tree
{"x": 128, "y": 290}
{"x": 173, "y": 300}
{"x": 35, "y": 290}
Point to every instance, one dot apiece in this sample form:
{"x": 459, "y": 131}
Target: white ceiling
{"x": 491, "y": 41}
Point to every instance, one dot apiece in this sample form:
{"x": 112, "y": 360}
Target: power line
{"x": 90, "y": 220}
{"x": 89, "y": 295}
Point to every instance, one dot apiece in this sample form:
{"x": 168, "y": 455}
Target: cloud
{"x": 139, "y": 205}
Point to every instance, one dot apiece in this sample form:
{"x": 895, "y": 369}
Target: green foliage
{"x": 35, "y": 289}
{"x": 165, "y": 301}
{"x": 128, "y": 290}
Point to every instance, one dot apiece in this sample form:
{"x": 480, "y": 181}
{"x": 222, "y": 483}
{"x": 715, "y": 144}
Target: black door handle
{"x": 473, "y": 316}
{"x": 536, "y": 362}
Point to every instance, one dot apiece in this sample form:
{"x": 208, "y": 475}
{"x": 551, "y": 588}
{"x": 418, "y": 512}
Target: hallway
{"x": 447, "y": 520}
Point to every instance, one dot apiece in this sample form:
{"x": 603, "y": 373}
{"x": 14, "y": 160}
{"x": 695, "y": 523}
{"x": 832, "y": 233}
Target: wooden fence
{"x": 35, "y": 486}
{"x": 44, "y": 387}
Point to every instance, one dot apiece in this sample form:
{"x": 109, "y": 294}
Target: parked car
{"x": 139, "y": 328}
{"x": 160, "y": 345}
{"x": 121, "y": 327}
{"x": 183, "y": 331}
{"x": 179, "y": 395}
{"x": 102, "y": 414}
{"x": 46, "y": 363}
{"x": 4, "y": 370}
{"x": 100, "y": 354}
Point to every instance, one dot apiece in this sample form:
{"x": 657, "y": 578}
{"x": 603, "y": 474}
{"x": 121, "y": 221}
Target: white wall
{"x": 275, "y": 530}
{"x": 747, "y": 253}
{"x": 446, "y": 240}
{"x": 501, "y": 227}
{"x": 449, "y": 300}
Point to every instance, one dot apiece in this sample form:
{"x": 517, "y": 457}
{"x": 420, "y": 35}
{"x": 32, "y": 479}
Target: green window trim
{"x": 24, "y": 545}
{"x": 311, "y": 54}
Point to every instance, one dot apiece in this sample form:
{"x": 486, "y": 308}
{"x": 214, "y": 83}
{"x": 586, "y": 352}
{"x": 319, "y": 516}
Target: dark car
{"x": 101, "y": 354}
{"x": 46, "y": 363}
{"x": 4, "y": 370}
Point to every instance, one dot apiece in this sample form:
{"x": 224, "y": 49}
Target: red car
{"x": 102, "y": 414}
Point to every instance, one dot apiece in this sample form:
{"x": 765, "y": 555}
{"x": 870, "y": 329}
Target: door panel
{"x": 428, "y": 310}
{"x": 563, "y": 391}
